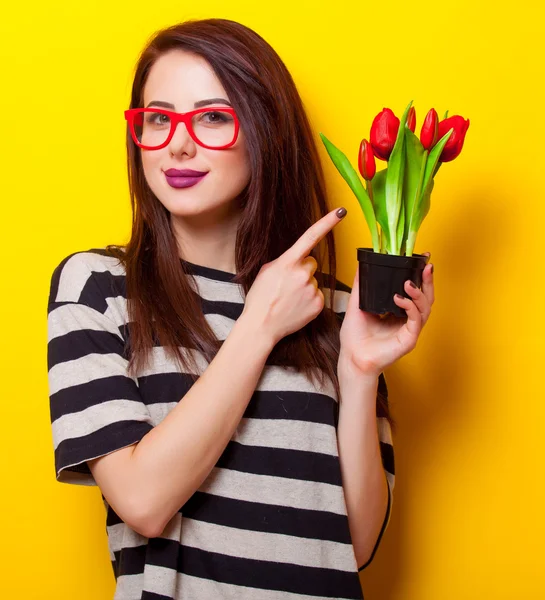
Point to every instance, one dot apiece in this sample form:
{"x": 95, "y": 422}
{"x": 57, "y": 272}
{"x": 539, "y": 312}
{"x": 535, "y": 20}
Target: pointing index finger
{"x": 314, "y": 234}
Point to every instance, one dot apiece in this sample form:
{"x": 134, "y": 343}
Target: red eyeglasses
{"x": 153, "y": 128}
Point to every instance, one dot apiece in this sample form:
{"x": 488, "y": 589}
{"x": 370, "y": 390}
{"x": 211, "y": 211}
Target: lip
{"x": 183, "y": 182}
{"x": 184, "y": 173}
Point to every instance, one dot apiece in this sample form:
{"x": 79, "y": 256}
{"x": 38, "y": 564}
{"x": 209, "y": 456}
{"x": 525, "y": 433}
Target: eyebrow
{"x": 197, "y": 104}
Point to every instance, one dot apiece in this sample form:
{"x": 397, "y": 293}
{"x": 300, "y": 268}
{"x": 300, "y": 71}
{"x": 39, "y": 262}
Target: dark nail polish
{"x": 432, "y": 269}
{"x": 341, "y": 212}
{"x": 412, "y": 284}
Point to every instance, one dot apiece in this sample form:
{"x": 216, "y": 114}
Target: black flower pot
{"x": 383, "y": 275}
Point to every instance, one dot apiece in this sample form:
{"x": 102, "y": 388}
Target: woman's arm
{"x": 147, "y": 483}
{"x": 363, "y": 475}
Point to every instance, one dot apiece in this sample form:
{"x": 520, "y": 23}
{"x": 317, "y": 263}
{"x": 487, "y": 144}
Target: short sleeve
{"x": 342, "y": 294}
{"x": 95, "y": 406}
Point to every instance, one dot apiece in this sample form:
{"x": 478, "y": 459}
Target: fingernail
{"x": 431, "y": 269}
{"x": 412, "y": 284}
{"x": 341, "y": 212}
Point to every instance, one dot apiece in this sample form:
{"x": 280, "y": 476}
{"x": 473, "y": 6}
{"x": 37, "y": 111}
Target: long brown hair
{"x": 276, "y": 209}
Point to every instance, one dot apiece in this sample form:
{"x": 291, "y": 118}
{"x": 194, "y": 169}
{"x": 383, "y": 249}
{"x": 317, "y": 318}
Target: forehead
{"x": 182, "y": 78}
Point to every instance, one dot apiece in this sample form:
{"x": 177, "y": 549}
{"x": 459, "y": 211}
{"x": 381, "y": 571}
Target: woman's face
{"x": 182, "y": 79}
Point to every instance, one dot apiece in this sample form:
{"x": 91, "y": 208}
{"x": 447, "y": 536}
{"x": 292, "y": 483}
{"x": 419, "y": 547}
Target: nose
{"x": 181, "y": 140}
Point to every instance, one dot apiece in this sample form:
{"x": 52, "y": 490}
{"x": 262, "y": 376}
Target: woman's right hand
{"x": 284, "y": 296}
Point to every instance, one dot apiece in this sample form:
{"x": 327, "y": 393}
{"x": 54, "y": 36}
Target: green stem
{"x": 411, "y": 236}
{"x": 369, "y": 188}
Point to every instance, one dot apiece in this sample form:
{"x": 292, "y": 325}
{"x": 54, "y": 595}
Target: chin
{"x": 190, "y": 205}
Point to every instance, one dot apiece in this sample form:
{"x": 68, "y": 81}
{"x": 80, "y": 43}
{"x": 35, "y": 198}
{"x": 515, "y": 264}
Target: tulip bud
{"x": 384, "y": 133}
{"x": 455, "y": 143}
{"x": 429, "y": 132}
{"x": 411, "y": 119}
{"x": 366, "y": 161}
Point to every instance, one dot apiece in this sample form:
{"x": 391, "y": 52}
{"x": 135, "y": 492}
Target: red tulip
{"x": 456, "y": 140}
{"x": 366, "y": 161}
{"x": 411, "y": 119}
{"x": 429, "y": 132}
{"x": 384, "y": 133}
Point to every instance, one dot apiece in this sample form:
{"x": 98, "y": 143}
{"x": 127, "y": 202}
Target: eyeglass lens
{"x": 212, "y": 128}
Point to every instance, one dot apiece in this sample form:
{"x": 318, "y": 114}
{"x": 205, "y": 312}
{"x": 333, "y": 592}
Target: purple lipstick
{"x": 184, "y": 178}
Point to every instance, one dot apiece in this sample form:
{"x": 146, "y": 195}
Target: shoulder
{"x": 85, "y": 276}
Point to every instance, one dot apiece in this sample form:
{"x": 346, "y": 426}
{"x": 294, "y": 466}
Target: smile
{"x": 183, "y": 182}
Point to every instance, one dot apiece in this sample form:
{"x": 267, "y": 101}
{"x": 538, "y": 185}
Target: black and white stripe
{"x": 269, "y": 522}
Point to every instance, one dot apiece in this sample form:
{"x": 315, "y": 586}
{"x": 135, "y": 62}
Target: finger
{"x": 408, "y": 334}
{"x": 419, "y": 299}
{"x": 427, "y": 283}
{"x": 311, "y": 263}
{"x": 312, "y": 236}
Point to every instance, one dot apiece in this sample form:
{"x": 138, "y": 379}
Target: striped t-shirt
{"x": 270, "y": 520}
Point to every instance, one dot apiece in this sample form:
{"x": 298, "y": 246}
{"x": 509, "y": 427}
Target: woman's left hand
{"x": 370, "y": 343}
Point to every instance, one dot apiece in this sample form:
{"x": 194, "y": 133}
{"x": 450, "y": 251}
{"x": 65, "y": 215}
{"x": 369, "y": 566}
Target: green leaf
{"x": 352, "y": 178}
{"x": 414, "y": 173}
{"x": 400, "y": 228}
{"x": 423, "y": 206}
{"x": 379, "y": 197}
{"x": 425, "y": 202}
{"x": 394, "y": 182}
{"x": 433, "y": 158}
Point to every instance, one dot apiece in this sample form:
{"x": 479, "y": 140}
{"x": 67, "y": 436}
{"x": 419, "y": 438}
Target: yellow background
{"x": 468, "y": 515}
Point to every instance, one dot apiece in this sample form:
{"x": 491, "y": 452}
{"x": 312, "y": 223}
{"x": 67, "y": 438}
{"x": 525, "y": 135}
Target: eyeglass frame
{"x": 175, "y": 119}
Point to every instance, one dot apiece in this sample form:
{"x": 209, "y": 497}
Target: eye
{"x": 215, "y": 116}
{"x": 157, "y": 118}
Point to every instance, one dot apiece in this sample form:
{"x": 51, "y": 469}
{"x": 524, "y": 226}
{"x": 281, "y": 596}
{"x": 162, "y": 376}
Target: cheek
{"x": 235, "y": 174}
{"x": 237, "y": 165}
{"x": 152, "y": 160}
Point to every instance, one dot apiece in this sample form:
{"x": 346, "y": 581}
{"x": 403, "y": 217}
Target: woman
{"x": 224, "y": 392}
